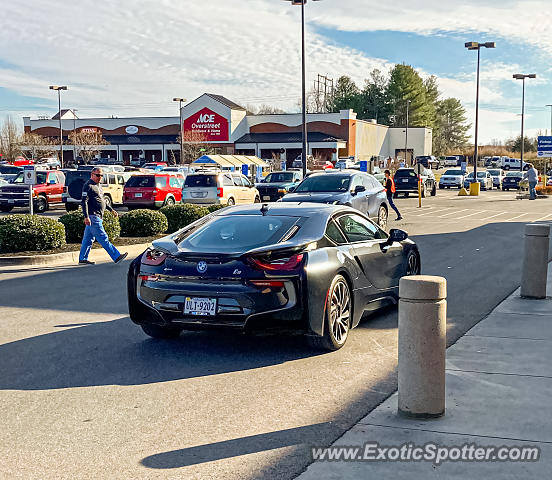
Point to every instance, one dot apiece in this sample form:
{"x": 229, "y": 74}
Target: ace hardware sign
{"x": 213, "y": 126}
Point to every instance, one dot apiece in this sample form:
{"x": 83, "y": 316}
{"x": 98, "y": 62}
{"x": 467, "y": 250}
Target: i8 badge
{"x": 202, "y": 267}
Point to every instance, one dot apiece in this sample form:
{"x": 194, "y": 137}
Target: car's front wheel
{"x": 41, "y": 204}
{"x": 231, "y": 202}
{"x": 382, "y": 217}
{"x": 413, "y": 266}
{"x": 337, "y": 318}
{"x": 159, "y": 331}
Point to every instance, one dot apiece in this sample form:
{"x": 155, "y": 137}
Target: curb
{"x": 97, "y": 255}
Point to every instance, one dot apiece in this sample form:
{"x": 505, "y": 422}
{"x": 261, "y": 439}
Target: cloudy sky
{"x": 131, "y": 57}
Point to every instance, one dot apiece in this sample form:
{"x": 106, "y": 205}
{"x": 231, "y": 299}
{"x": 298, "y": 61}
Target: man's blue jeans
{"x": 95, "y": 231}
{"x": 532, "y": 191}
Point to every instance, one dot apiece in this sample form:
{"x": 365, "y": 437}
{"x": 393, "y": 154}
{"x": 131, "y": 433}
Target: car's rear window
{"x": 405, "y": 172}
{"x": 513, "y": 174}
{"x": 237, "y": 233}
{"x": 141, "y": 181}
{"x": 201, "y": 181}
{"x": 494, "y": 173}
{"x": 453, "y": 172}
{"x": 279, "y": 177}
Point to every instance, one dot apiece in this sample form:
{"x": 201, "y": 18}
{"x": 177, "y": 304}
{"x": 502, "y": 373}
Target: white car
{"x": 498, "y": 176}
{"x": 452, "y": 178}
{"x": 450, "y": 161}
{"x": 484, "y": 178}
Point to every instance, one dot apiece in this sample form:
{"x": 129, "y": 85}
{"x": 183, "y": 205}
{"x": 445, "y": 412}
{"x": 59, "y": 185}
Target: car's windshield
{"x": 326, "y": 182}
{"x": 453, "y": 172}
{"x": 405, "y": 172}
{"x": 479, "y": 175}
{"x": 40, "y": 178}
{"x": 237, "y": 233}
{"x": 451, "y": 158}
{"x": 513, "y": 174}
{"x": 494, "y": 173}
{"x": 279, "y": 177}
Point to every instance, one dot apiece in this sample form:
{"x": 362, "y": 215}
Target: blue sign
{"x": 463, "y": 166}
{"x": 544, "y": 146}
{"x": 284, "y": 166}
{"x": 363, "y": 166}
{"x": 259, "y": 173}
{"x": 232, "y": 168}
{"x": 245, "y": 170}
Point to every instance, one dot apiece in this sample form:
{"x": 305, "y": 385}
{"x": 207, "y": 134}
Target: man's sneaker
{"x": 86, "y": 262}
{"x": 121, "y": 257}
{"x": 398, "y": 218}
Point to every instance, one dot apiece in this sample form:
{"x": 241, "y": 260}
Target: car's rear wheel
{"x": 41, "y": 204}
{"x": 337, "y": 319}
{"x": 159, "y": 331}
{"x": 6, "y": 208}
{"x": 108, "y": 202}
{"x": 413, "y": 263}
{"x": 169, "y": 202}
{"x": 257, "y": 199}
{"x": 382, "y": 217}
{"x": 231, "y": 202}
{"x": 71, "y": 207}
{"x": 434, "y": 190}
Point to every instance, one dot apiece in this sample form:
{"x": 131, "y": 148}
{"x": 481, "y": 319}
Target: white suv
{"x": 225, "y": 188}
{"x": 452, "y": 178}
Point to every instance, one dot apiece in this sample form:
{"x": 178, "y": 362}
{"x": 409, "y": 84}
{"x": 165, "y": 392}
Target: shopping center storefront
{"x": 229, "y": 129}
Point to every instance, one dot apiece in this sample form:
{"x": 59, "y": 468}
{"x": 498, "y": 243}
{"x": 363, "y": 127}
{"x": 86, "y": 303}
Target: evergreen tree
{"x": 451, "y": 130}
{"x": 373, "y": 102}
{"x": 345, "y": 96}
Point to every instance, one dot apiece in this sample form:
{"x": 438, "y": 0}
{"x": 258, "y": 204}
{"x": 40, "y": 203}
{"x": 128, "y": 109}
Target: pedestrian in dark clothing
{"x": 390, "y": 188}
{"x": 93, "y": 207}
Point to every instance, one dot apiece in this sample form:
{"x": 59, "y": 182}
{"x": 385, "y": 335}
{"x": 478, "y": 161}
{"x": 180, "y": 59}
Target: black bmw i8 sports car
{"x": 314, "y": 267}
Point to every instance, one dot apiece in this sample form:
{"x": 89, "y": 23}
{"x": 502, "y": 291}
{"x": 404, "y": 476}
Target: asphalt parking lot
{"x": 85, "y": 394}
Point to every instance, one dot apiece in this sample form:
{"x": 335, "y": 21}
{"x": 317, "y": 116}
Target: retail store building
{"x": 230, "y": 129}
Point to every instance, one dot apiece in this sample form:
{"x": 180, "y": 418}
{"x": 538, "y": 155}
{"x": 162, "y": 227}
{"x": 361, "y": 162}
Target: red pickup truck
{"x": 47, "y": 191}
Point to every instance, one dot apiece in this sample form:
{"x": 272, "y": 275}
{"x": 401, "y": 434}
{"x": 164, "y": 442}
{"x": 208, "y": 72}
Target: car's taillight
{"x": 267, "y": 283}
{"x": 220, "y": 192}
{"x": 153, "y": 257}
{"x": 154, "y": 193}
{"x": 281, "y": 264}
{"x": 65, "y": 189}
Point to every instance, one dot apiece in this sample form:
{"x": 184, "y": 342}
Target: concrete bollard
{"x": 535, "y": 260}
{"x": 422, "y": 346}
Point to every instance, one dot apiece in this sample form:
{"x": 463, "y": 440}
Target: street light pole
{"x": 522, "y": 77}
{"x": 408, "y": 102}
{"x": 303, "y": 83}
{"x": 477, "y": 46}
{"x": 59, "y": 88}
{"x": 180, "y": 101}
{"x": 74, "y": 137}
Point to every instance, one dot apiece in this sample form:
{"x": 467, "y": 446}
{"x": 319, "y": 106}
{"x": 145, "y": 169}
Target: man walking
{"x": 93, "y": 207}
{"x": 533, "y": 177}
{"x": 390, "y": 188}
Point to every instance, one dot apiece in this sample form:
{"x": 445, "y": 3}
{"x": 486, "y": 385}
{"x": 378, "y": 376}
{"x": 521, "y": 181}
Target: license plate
{"x": 11, "y": 200}
{"x": 200, "y": 306}
{"x": 405, "y": 180}
{"x": 137, "y": 195}
{"x": 266, "y": 197}
{"x": 199, "y": 194}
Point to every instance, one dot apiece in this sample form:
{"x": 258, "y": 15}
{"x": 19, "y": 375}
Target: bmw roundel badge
{"x": 202, "y": 267}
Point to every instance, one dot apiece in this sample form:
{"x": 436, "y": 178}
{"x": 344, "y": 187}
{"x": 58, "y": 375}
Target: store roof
{"x": 225, "y": 101}
{"x": 230, "y": 160}
{"x": 287, "y": 137}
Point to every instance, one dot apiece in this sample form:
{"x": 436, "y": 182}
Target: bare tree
{"x": 37, "y": 145}
{"x": 263, "y": 109}
{"x": 9, "y": 139}
{"x": 315, "y": 101}
{"x": 88, "y": 143}
{"x": 194, "y": 146}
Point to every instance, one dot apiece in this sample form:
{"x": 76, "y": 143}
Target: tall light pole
{"x": 59, "y": 89}
{"x": 180, "y": 101}
{"x": 477, "y": 46}
{"x": 303, "y": 75}
{"x": 549, "y": 105}
{"x": 74, "y": 137}
{"x": 522, "y": 77}
{"x": 408, "y": 102}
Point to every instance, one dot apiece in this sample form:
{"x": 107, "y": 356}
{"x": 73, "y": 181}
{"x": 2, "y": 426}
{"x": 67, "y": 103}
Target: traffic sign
{"x": 544, "y": 146}
{"x": 245, "y": 170}
{"x": 30, "y": 174}
{"x": 363, "y": 166}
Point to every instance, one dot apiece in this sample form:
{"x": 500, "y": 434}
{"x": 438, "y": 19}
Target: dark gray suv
{"x": 356, "y": 189}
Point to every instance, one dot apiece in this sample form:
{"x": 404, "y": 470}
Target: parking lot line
{"x": 454, "y": 212}
{"x": 496, "y": 215}
{"x": 544, "y": 218}
{"x": 518, "y": 216}
{"x": 431, "y": 212}
{"x": 471, "y": 214}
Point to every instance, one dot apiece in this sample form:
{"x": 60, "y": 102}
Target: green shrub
{"x": 178, "y": 216}
{"x": 22, "y": 233}
{"x": 74, "y": 226}
{"x": 143, "y": 223}
{"x": 215, "y": 207}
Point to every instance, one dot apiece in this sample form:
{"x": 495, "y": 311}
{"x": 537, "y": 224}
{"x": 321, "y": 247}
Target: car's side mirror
{"x": 396, "y": 235}
{"x": 291, "y": 189}
{"x": 359, "y": 189}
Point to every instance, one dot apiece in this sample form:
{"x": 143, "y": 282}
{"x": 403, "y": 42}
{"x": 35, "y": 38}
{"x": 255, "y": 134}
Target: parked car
{"x": 511, "y": 180}
{"x": 46, "y": 192}
{"x": 181, "y": 171}
{"x": 10, "y": 169}
{"x": 153, "y": 190}
{"x": 484, "y": 178}
{"x": 512, "y": 164}
{"x": 451, "y": 161}
{"x": 113, "y": 184}
{"x": 428, "y": 161}
{"x": 226, "y": 188}
{"x": 51, "y": 162}
{"x": 452, "y": 178}
{"x": 498, "y": 177}
{"x": 156, "y": 166}
{"x": 21, "y": 161}
{"x": 313, "y": 268}
{"x": 347, "y": 187}
{"x": 276, "y": 184}
{"x": 406, "y": 182}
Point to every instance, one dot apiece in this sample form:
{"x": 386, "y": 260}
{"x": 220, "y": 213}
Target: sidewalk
{"x": 499, "y": 392}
